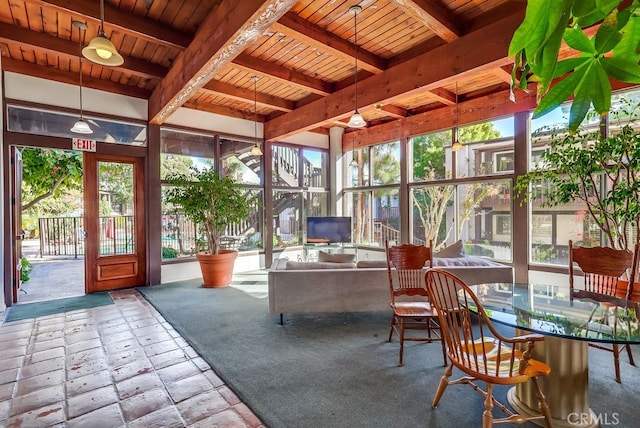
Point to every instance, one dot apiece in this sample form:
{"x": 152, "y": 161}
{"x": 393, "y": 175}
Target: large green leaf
{"x": 541, "y": 19}
{"x": 621, "y": 69}
{"x": 597, "y": 83}
{"x": 560, "y": 92}
{"x": 545, "y": 61}
{"x": 628, "y": 47}
{"x": 577, "y": 40}
{"x": 608, "y": 35}
{"x": 568, "y": 65}
{"x": 583, "y": 8}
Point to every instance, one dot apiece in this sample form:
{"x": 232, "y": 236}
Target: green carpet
{"x": 50, "y": 307}
{"x": 338, "y": 370}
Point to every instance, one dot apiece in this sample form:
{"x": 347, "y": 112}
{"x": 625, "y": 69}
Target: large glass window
{"x": 181, "y": 151}
{"x": 300, "y": 181}
{"x": 487, "y": 148}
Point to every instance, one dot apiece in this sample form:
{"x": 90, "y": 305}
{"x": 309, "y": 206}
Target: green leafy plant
{"x": 25, "y": 269}
{"x": 613, "y": 52}
{"x": 169, "y": 253}
{"x": 601, "y": 171}
{"x": 209, "y": 200}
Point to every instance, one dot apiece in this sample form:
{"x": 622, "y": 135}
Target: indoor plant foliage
{"x": 611, "y": 53}
{"x": 210, "y": 201}
{"x": 576, "y": 167}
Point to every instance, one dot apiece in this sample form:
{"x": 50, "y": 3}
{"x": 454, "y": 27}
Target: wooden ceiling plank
{"x": 120, "y": 20}
{"x": 315, "y": 37}
{"x": 292, "y": 77}
{"x": 49, "y": 73}
{"x": 246, "y": 95}
{"x": 479, "y": 109}
{"x": 423, "y": 73}
{"x": 433, "y": 16}
{"x": 67, "y": 48}
{"x": 226, "y": 31}
{"x": 444, "y": 96}
{"x": 225, "y": 111}
{"x": 392, "y": 110}
{"x": 502, "y": 74}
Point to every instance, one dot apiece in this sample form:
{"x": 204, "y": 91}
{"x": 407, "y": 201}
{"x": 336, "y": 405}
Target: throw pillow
{"x": 463, "y": 261}
{"x": 454, "y": 250}
{"x": 335, "y": 258}
{"x": 363, "y": 264}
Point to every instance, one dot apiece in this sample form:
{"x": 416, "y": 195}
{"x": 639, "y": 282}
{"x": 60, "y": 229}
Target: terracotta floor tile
{"x": 138, "y": 385}
{"x": 44, "y": 380}
{"x": 90, "y": 401}
{"x": 117, "y": 365}
{"x": 88, "y": 382}
{"x": 178, "y": 371}
{"x": 167, "y": 417}
{"x": 202, "y": 406}
{"x": 34, "y": 369}
{"x": 188, "y": 387}
{"x": 40, "y": 398}
{"x": 145, "y": 403}
{"x": 168, "y": 358}
{"x": 226, "y": 419}
{"x": 45, "y": 416}
{"x": 105, "y": 417}
{"x": 48, "y": 354}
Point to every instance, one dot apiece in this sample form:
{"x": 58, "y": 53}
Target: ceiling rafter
{"x": 421, "y": 74}
{"x": 121, "y": 20}
{"x": 226, "y": 31}
{"x": 71, "y": 50}
{"x": 283, "y": 74}
{"x": 433, "y": 16}
{"x": 246, "y": 95}
{"x": 293, "y": 26}
{"x": 55, "y": 74}
{"x": 224, "y": 111}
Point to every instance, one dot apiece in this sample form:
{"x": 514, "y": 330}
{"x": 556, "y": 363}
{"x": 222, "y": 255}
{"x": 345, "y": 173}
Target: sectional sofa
{"x": 301, "y": 287}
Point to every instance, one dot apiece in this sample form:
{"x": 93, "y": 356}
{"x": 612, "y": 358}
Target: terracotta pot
{"x": 623, "y": 289}
{"x": 217, "y": 270}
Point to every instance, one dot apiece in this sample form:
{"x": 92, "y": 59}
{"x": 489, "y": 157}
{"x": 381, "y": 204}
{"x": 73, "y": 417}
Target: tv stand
{"x": 310, "y": 251}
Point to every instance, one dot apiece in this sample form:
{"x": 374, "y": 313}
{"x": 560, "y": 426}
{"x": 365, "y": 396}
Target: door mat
{"x": 50, "y": 307}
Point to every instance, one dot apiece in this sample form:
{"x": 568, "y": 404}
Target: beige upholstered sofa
{"x": 298, "y": 287}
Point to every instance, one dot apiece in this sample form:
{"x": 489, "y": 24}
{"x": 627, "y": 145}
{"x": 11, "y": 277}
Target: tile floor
{"x": 119, "y": 365}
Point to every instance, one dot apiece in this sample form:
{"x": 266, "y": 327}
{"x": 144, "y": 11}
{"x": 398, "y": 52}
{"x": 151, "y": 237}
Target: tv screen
{"x": 327, "y": 230}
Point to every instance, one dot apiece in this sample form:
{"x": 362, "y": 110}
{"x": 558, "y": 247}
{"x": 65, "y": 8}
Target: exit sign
{"x": 83, "y": 144}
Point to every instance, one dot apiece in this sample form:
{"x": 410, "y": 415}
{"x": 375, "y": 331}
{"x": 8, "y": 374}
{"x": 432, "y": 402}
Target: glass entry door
{"x": 114, "y": 219}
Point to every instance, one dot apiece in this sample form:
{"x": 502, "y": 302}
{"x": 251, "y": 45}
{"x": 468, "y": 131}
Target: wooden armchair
{"x": 409, "y": 297}
{"x": 601, "y": 270}
{"x": 480, "y": 352}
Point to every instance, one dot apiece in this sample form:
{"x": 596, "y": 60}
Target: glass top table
{"x": 569, "y": 323}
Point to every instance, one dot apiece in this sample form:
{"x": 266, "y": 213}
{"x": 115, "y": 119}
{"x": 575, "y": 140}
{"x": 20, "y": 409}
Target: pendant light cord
{"x": 355, "y": 42}
{"x": 80, "y": 59}
{"x": 255, "y": 110}
{"x": 101, "y": 16}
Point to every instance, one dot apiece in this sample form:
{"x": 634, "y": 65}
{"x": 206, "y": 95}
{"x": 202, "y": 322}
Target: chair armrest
{"x": 533, "y": 337}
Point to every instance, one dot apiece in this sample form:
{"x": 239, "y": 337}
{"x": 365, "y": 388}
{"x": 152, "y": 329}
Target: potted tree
{"x": 212, "y": 203}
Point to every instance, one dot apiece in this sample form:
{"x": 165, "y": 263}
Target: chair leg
{"x": 487, "y": 415}
{"x": 444, "y": 382}
{"x": 616, "y": 361}
{"x": 542, "y": 403}
{"x": 393, "y": 322}
{"x": 630, "y": 354}
{"x": 444, "y": 351}
{"x": 401, "y": 340}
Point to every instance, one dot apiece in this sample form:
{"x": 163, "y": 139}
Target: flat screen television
{"x": 328, "y": 230}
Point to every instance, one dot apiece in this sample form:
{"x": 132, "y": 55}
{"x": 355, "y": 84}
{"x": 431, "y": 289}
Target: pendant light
{"x": 80, "y": 127}
{"x": 100, "y": 50}
{"x": 353, "y": 162}
{"x": 255, "y": 150}
{"x": 457, "y": 145}
{"x": 356, "y": 120}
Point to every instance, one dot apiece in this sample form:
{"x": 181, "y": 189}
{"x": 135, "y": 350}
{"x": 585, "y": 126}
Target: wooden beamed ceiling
{"x": 412, "y": 56}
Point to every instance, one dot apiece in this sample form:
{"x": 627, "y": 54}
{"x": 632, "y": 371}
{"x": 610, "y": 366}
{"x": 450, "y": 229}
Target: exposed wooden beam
{"x": 442, "y": 95}
{"x": 479, "y": 109}
{"x": 392, "y": 110}
{"x": 459, "y": 59}
{"x": 71, "y": 50}
{"x": 283, "y": 74}
{"x": 246, "y": 95}
{"x": 224, "y": 111}
{"x": 228, "y": 29}
{"x": 433, "y": 16}
{"x": 293, "y": 26}
{"x": 120, "y": 20}
{"x": 502, "y": 74}
{"x": 55, "y": 74}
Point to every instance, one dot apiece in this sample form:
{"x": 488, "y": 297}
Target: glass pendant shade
{"x": 457, "y": 145}
{"x": 101, "y": 51}
{"x": 256, "y": 150}
{"x": 81, "y": 127}
{"x": 356, "y": 121}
